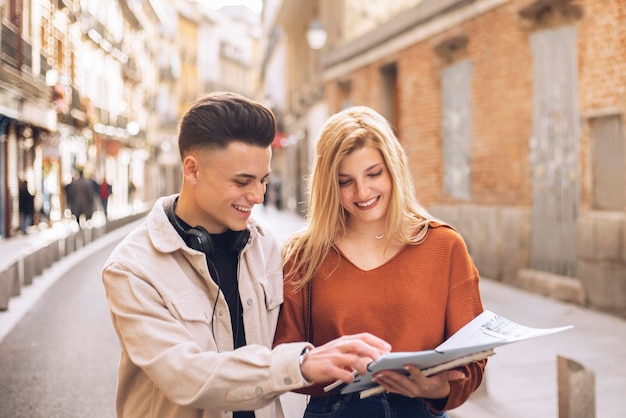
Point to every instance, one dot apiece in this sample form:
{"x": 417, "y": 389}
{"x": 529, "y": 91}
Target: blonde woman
{"x": 371, "y": 259}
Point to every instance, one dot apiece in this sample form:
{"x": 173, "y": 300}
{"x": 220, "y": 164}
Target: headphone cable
{"x": 210, "y": 264}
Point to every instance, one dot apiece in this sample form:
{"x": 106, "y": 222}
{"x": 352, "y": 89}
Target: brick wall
{"x": 498, "y": 48}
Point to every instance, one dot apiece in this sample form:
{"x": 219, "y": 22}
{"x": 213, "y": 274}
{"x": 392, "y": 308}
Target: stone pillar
{"x": 27, "y": 266}
{"x": 6, "y": 285}
{"x": 577, "y": 390}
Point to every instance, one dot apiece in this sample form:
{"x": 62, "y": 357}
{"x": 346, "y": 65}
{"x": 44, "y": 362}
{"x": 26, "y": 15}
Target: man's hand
{"x": 416, "y": 385}
{"x": 337, "y": 359}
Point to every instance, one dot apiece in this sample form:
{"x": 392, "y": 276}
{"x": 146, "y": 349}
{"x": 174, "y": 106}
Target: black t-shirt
{"x": 225, "y": 261}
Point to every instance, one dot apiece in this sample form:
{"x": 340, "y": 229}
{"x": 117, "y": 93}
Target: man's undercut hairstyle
{"x": 217, "y": 119}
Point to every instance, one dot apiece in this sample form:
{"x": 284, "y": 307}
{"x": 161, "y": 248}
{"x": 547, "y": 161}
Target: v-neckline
{"x": 383, "y": 264}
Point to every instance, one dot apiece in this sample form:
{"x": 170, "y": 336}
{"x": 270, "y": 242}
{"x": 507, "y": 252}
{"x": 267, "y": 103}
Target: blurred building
{"x": 26, "y": 117}
{"x": 512, "y": 114}
{"x": 233, "y": 65}
{"x": 291, "y": 84}
{"x": 156, "y": 72}
{"x": 99, "y": 85}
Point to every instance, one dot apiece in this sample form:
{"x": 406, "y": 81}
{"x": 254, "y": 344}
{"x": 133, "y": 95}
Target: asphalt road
{"x": 60, "y": 359}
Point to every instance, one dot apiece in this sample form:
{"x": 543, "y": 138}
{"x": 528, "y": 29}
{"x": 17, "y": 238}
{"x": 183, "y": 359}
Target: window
{"x": 457, "y": 129}
{"x": 607, "y": 160}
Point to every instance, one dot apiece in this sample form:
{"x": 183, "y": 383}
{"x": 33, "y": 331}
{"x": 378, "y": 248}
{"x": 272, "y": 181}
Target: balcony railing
{"x": 15, "y": 51}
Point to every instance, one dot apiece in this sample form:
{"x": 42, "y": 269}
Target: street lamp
{"x": 133, "y": 128}
{"x": 316, "y": 34}
{"x": 52, "y": 77}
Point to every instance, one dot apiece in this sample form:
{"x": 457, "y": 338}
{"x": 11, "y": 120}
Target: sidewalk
{"x": 26, "y": 259}
{"x": 14, "y": 246}
{"x": 281, "y": 223}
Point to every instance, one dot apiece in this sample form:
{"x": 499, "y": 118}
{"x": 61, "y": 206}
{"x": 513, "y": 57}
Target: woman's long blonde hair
{"x": 342, "y": 134}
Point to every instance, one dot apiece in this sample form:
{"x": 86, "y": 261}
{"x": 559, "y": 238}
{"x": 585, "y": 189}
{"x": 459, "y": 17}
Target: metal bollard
{"x": 577, "y": 390}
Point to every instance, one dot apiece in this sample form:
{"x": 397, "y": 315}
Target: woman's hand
{"x": 416, "y": 385}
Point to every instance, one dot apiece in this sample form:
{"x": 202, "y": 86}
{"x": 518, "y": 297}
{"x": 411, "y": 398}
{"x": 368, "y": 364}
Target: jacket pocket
{"x": 272, "y": 292}
{"x": 196, "y": 314}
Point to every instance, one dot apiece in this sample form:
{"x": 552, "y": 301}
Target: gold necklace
{"x": 378, "y": 237}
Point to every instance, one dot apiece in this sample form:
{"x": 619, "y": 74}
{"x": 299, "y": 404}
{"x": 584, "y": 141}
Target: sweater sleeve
{"x": 293, "y": 322}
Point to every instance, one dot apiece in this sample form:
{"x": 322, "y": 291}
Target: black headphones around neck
{"x": 200, "y": 239}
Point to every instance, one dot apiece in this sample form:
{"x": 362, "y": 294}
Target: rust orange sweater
{"x": 414, "y": 301}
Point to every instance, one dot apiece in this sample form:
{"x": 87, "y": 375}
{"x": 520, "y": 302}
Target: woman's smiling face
{"x": 365, "y": 187}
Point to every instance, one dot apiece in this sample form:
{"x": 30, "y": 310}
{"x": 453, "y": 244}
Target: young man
{"x": 195, "y": 292}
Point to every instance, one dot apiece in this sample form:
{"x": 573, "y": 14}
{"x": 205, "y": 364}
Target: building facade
{"x": 26, "y": 117}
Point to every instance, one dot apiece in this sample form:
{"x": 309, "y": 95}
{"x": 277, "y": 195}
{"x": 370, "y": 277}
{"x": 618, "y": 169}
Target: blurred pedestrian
{"x": 277, "y": 186}
{"x": 96, "y": 191}
{"x": 132, "y": 191}
{"x": 69, "y": 195}
{"x": 82, "y": 192}
{"x": 26, "y": 206}
{"x": 104, "y": 191}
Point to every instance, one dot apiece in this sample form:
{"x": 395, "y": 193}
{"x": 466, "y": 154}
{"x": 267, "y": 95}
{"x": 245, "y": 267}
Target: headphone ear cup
{"x": 199, "y": 239}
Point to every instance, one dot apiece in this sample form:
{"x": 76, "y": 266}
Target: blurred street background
{"x": 511, "y": 113}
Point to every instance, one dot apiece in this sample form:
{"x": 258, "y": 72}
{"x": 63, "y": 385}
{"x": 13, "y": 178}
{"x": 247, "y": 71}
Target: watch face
{"x": 303, "y": 354}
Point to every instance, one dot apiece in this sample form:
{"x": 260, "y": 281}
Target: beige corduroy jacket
{"x": 161, "y": 299}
